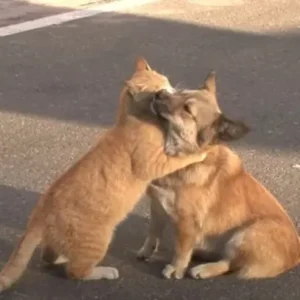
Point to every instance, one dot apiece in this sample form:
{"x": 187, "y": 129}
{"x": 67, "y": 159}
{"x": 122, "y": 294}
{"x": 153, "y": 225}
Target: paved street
{"x": 59, "y": 90}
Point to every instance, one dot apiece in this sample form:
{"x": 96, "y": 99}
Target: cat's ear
{"x": 141, "y": 64}
{"x": 230, "y": 130}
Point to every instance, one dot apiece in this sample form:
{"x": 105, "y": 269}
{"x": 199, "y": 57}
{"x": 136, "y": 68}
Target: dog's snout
{"x": 162, "y": 95}
{"x": 163, "y": 103}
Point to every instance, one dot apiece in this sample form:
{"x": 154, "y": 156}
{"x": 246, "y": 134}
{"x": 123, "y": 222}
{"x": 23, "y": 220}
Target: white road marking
{"x": 220, "y": 3}
{"x": 71, "y": 16}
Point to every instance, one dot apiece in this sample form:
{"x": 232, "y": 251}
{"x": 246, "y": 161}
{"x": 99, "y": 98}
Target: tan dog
{"x": 78, "y": 214}
{"x": 219, "y": 209}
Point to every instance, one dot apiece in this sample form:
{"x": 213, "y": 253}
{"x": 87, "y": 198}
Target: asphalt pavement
{"x": 59, "y": 89}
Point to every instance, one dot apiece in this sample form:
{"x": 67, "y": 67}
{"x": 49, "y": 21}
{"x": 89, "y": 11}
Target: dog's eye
{"x": 187, "y": 109}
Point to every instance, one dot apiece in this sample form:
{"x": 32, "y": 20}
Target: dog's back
{"x": 231, "y": 204}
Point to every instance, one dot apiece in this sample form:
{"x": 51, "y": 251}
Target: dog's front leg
{"x": 185, "y": 242}
{"x": 158, "y": 220}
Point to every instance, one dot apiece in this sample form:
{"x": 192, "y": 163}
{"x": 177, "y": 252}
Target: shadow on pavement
{"x": 74, "y": 72}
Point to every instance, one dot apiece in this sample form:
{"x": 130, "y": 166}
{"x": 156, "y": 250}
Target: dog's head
{"x": 196, "y": 115}
{"x": 139, "y": 89}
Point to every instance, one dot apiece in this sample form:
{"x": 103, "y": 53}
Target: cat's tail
{"x": 20, "y": 258}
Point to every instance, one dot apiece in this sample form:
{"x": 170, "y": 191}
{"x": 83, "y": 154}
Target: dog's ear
{"x": 230, "y": 130}
{"x": 141, "y": 64}
{"x": 210, "y": 82}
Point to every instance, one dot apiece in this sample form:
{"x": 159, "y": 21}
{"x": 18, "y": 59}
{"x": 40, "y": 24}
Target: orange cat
{"x": 146, "y": 80}
{"x": 77, "y": 216}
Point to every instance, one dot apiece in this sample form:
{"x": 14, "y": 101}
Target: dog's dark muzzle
{"x": 161, "y": 104}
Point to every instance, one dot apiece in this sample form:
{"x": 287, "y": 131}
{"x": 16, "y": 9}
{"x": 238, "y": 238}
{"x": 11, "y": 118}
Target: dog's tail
{"x": 20, "y": 258}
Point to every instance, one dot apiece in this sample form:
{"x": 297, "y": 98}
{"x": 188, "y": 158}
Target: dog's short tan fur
{"x": 220, "y": 211}
{"x": 77, "y": 216}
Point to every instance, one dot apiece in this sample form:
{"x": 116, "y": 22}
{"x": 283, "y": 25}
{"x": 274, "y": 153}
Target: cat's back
{"x": 96, "y": 173}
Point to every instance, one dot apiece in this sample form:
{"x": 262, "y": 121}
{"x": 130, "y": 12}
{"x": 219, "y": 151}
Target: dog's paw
{"x": 171, "y": 272}
{"x": 199, "y": 272}
{"x": 143, "y": 255}
{"x": 146, "y": 252}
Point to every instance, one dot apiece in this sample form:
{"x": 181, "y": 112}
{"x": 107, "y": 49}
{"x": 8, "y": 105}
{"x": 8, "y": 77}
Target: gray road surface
{"x": 59, "y": 88}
